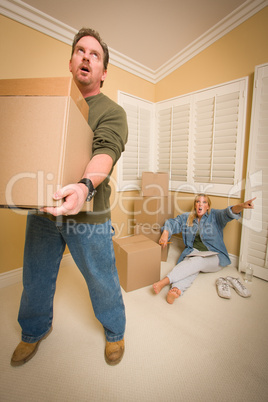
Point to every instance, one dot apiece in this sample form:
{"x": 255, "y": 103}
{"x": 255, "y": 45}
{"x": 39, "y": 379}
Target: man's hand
{"x": 74, "y": 196}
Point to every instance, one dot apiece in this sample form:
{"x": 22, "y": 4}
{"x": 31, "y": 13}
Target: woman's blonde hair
{"x": 193, "y": 215}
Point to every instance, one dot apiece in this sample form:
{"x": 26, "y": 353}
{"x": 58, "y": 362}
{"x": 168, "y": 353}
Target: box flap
{"x": 55, "y": 86}
{"x": 136, "y": 243}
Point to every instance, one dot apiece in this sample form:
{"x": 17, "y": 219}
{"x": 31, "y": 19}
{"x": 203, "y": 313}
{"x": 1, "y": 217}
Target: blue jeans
{"x": 91, "y": 247}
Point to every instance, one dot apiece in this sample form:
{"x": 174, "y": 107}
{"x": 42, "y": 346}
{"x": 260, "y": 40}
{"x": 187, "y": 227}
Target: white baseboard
{"x": 10, "y": 277}
{"x": 15, "y": 276}
{"x": 234, "y": 260}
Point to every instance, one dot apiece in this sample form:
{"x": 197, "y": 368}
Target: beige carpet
{"x": 201, "y": 348}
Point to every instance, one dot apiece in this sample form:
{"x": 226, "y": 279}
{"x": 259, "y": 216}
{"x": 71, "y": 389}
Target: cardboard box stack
{"x": 138, "y": 257}
{"x": 46, "y": 141}
{"x": 154, "y": 184}
{"x": 153, "y": 208}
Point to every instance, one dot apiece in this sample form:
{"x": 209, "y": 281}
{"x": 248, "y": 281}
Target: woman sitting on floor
{"x": 205, "y": 251}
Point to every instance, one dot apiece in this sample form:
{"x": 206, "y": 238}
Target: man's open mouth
{"x": 84, "y": 68}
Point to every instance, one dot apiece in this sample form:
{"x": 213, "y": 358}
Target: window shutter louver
{"x": 130, "y": 170}
{"x": 225, "y": 139}
{"x": 173, "y": 138}
{"x": 180, "y": 143}
{"x": 144, "y": 141}
{"x": 215, "y": 137}
{"x": 136, "y": 157}
{"x": 164, "y": 139}
{"x": 203, "y": 137}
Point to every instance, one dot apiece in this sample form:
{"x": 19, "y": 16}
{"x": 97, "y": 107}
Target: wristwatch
{"x": 91, "y": 190}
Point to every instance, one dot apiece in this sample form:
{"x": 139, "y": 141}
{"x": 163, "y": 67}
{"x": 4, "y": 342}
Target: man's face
{"x": 86, "y": 65}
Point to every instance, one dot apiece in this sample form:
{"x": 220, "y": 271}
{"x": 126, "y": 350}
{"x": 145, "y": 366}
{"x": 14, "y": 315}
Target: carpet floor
{"x": 201, "y": 348}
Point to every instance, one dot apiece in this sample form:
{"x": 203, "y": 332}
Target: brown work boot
{"x": 114, "y": 352}
{"x": 25, "y": 351}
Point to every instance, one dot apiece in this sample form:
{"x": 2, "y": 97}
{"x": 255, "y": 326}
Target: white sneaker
{"x": 238, "y": 286}
{"x": 223, "y": 288}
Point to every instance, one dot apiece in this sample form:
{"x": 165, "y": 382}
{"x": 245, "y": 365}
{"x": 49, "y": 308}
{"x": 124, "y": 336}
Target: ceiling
{"x": 151, "y": 32}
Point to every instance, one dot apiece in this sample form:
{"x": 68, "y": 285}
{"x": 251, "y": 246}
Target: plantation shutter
{"x": 254, "y": 239}
{"x": 131, "y": 155}
{"x": 201, "y": 139}
{"x": 218, "y": 136}
{"x": 180, "y": 142}
{"x": 164, "y": 139}
{"x": 198, "y": 140}
{"x": 137, "y": 155}
{"x": 173, "y": 129}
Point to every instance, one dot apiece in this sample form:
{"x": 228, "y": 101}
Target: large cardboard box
{"x": 46, "y": 141}
{"x": 154, "y": 184}
{"x": 138, "y": 261}
{"x": 153, "y": 210}
{"x": 153, "y": 233}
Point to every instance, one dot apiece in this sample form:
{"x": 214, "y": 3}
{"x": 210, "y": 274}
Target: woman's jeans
{"x": 91, "y": 247}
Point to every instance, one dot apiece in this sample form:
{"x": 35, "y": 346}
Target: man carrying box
{"x": 87, "y": 234}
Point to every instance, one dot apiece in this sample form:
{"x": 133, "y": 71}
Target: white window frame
{"x": 182, "y": 134}
{"x": 189, "y": 184}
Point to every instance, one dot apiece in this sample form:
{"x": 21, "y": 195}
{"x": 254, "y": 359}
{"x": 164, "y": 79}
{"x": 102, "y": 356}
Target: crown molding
{"x": 33, "y": 18}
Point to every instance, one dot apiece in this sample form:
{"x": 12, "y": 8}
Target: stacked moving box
{"x": 138, "y": 257}
{"x": 154, "y": 207}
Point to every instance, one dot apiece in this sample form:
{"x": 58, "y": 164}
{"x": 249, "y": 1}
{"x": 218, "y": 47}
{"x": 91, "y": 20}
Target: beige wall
{"x": 28, "y": 53}
{"x": 231, "y": 57}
